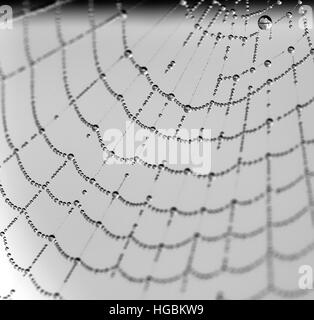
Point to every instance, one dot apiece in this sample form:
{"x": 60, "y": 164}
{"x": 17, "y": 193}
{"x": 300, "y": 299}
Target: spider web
{"x": 73, "y": 226}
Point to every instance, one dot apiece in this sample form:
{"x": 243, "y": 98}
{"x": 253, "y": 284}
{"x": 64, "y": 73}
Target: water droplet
{"x": 312, "y": 51}
{"x": 98, "y": 224}
{"x": 128, "y": 53}
{"x": 265, "y": 22}
{"x": 252, "y": 69}
{"x": 171, "y": 96}
{"x": 267, "y": 63}
{"x": 124, "y": 14}
{"x": 143, "y": 70}
{"x": 70, "y": 156}
{"x": 270, "y": 121}
{"x": 187, "y": 108}
{"x": 173, "y": 210}
{"x": 289, "y": 15}
{"x": 236, "y": 77}
{"x": 56, "y": 295}
{"x": 161, "y": 166}
{"x": 51, "y": 237}
{"x": 115, "y": 194}
{"x": 291, "y": 49}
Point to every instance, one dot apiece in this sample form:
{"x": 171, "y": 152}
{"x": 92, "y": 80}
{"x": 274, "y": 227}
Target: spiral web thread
{"x": 203, "y": 20}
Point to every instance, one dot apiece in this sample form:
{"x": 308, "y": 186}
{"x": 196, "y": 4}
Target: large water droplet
{"x": 265, "y": 22}
{"x": 267, "y": 63}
